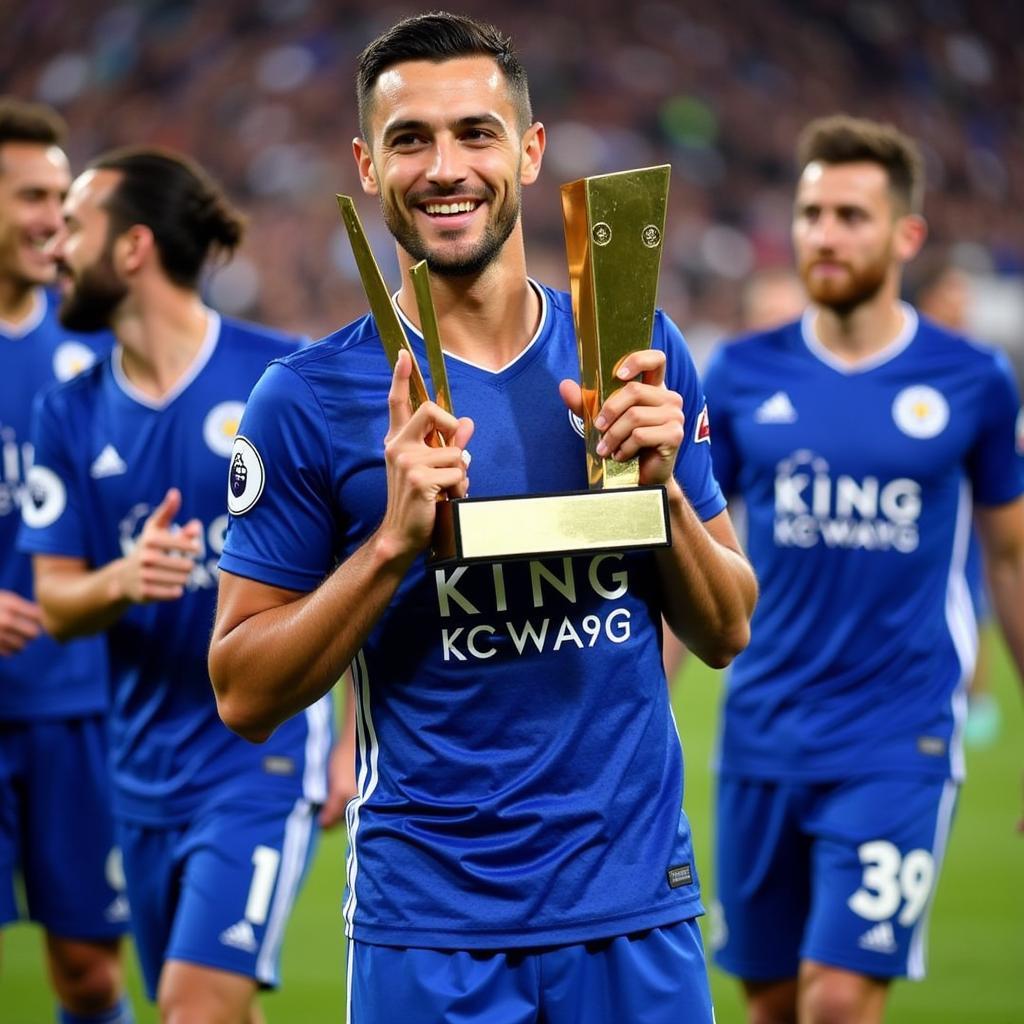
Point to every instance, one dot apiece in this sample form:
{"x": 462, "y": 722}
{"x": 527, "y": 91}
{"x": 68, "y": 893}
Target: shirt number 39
{"x": 891, "y": 879}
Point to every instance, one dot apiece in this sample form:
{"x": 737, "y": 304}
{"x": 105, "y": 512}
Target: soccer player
{"x": 856, "y": 437}
{"x": 52, "y": 698}
{"x": 517, "y": 848}
{"x": 216, "y": 833}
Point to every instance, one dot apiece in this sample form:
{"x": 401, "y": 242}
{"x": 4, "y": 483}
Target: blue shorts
{"x": 219, "y": 890}
{"x": 840, "y": 873}
{"x": 56, "y": 829}
{"x": 657, "y": 976}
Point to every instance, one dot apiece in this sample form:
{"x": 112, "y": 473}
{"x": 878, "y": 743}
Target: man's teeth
{"x": 443, "y": 208}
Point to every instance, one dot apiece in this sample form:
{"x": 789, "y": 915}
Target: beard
{"x": 844, "y": 294}
{"x": 94, "y": 295}
{"x": 461, "y": 263}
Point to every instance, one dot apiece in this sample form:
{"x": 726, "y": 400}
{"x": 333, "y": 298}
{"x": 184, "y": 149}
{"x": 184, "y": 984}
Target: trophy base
{"x": 535, "y": 526}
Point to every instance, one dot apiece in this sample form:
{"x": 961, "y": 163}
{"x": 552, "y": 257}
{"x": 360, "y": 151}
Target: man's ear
{"x": 534, "y": 141}
{"x": 133, "y": 248}
{"x": 911, "y": 231}
{"x": 364, "y": 164}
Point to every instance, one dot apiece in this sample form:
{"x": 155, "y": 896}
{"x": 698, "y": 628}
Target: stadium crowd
{"x": 261, "y": 94}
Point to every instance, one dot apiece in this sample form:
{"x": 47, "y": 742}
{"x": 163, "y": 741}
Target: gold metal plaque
{"x": 614, "y": 225}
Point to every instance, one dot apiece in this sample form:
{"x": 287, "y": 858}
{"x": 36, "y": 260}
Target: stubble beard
{"x": 460, "y": 264}
{"x": 844, "y": 296}
{"x": 95, "y": 293}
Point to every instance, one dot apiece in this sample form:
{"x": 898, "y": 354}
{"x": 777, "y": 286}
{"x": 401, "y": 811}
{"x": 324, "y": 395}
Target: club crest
{"x": 920, "y": 411}
{"x": 221, "y": 425}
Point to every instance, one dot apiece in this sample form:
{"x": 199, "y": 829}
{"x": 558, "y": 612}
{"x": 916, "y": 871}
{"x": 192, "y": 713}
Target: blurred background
{"x": 261, "y": 92}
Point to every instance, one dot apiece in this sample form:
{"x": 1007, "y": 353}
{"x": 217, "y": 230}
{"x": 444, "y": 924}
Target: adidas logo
{"x": 777, "y": 409}
{"x": 879, "y": 939}
{"x": 240, "y": 936}
{"x": 107, "y": 463}
{"x": 118, "y": 910}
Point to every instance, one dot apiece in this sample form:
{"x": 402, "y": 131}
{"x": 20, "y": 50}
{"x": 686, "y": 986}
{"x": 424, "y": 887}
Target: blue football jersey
{"x": 520, "y": 774}
{"x": 105, "y": 456}
{"x": 45, "y": 679}
{"x": 858, "y": 484}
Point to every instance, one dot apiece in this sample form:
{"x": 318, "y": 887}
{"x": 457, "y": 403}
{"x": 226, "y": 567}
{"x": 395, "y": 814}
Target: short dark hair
{"x": 178, "y": 201}
{"x": 841, "y": 139}
{"x": 30, "y": 122}
{"x": 437, "y": 37}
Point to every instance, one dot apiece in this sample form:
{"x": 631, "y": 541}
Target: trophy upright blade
{"x": 431, "y": 335}
{"x": 392, "y": 334}
{"x": 614, "y": 225}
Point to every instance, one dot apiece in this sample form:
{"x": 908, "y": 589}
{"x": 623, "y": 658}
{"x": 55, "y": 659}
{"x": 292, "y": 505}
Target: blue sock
{"x": 119, "y": 1014}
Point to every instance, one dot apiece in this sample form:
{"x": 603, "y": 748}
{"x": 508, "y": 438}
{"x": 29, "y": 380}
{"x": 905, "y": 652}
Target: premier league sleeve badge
{"x": 245, "y": 476}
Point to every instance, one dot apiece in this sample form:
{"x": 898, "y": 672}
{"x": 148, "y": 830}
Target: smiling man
{"x": 58, "y": 838}
{"x": 130, "y": 464}
{"x": 858, "y": 437}
{"x": 517, "y": 847}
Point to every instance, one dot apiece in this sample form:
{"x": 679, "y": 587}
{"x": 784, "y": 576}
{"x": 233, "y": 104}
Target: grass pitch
{"x": 976, "y": 948}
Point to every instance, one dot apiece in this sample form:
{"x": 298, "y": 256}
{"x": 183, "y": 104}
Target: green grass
{"x": 976, "y": 956}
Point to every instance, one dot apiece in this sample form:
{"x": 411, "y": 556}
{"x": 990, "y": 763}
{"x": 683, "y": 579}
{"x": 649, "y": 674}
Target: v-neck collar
{"x": 16, "y": 331}
{"x": 199, "y": 361}
{"x": 486, "y": 370}
{"x": 884, "y": 355}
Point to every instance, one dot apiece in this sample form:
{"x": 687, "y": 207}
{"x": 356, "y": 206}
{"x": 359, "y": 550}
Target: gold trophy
{"x": 613, "y": 225}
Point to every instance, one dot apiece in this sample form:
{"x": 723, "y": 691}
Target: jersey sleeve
{"x": 281, "y": 527}
{"x": 54, "y": 519}
{"x": 693, "y": 463}
{"x": 994, "y": 463}
{"x": 723, "y": 447}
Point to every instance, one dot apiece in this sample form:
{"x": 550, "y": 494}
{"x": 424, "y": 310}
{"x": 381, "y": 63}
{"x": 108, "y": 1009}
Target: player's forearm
{"x": 709, "y": 589}
{"x": 1006, "y": 582}
{"x": 268, "y": 666}
{"x": 80, "y": 603}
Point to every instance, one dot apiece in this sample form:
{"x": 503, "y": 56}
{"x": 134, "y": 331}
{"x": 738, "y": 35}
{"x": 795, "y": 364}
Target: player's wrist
{"x": 118, "y": 583}
{"x": 391, "y": 552}
{"x": 675, "y": 493}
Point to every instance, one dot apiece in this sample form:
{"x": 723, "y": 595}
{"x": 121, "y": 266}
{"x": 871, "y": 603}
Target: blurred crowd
{"x": 261, "y": 92}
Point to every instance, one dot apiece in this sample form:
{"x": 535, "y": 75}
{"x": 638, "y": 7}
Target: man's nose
{"x": 53, "y": 213}
{"x": 55, "y": 246}
{"x": 448, "y": 165}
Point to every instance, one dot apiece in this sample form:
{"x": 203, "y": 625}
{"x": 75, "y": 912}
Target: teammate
{"x": 216, "y": 833}
{"x": 52, "y": 698}
{"x": 517, "y": 848}
{"x": 855, "y": 437}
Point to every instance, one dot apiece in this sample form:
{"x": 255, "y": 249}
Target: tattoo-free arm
{"x": 275, "y": 651}
{"x": 77, "y": 599}
{"x": 708, "y": 585}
